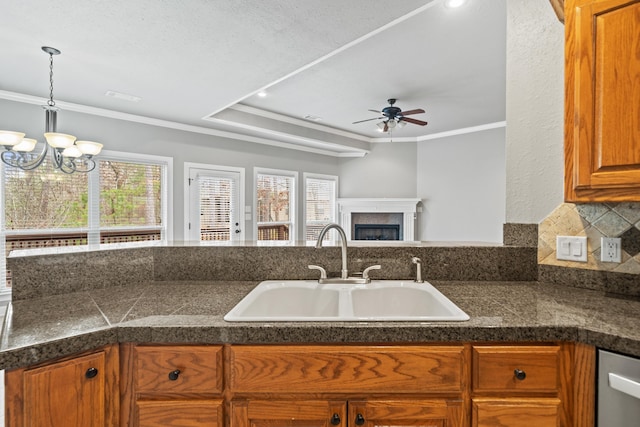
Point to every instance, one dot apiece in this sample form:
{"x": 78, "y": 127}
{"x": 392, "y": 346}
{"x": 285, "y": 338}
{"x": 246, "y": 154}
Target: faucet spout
{"x": 344, "y": 273}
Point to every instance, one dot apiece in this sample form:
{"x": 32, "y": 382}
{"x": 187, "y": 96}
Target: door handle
{"x": 237, "y": 231}
{"x": 624, "y": 385}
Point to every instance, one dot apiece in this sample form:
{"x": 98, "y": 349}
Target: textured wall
{"x": 593, "y": 220}
{"x": 535, "y": 110}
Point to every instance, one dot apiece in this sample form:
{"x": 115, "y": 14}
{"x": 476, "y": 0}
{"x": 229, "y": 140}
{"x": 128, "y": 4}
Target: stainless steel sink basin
{"x": 309, "y": 301}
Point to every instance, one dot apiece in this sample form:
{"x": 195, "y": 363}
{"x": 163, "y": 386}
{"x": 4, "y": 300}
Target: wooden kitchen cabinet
{"x": 171, "y": 386}
{"x": 431, "y": 385}
{"x": 369, "y": 386}
{"x": 520, "y": 386}
{"x": 366, "y": 413}
{"x": 602, "y": 112}
{"x": 73, "y": 392}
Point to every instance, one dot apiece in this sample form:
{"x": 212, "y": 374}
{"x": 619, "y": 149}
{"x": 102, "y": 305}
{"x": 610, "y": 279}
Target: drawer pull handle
{"x": 91, "y": 373}
{"x": 335, "y": 419}
{"x": 173, "y": 375}
{"x": 520, "y": 374}
{"x": 359, "y": 419}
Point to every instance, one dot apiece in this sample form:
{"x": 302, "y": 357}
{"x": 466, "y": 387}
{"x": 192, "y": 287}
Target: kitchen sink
{"x": 309, "y": 301}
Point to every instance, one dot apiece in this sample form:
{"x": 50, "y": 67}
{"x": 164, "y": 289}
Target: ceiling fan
{"x": 392, "y": 116}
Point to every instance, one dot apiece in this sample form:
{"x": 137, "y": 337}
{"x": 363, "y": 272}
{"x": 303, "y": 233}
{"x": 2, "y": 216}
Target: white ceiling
{"x": 200, "y": 63}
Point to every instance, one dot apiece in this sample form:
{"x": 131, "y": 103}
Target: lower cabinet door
{"x": 77, "y": 392}
{"x": 179, "y": 413}
{"x": 288, "y": 413}
{"x": 538, "y": 412}
{"x": 407, "y": 412}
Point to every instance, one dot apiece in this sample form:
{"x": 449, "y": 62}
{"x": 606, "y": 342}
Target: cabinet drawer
{"x": 516, "y": 413}
{"x": 163, "y": 413}
{"x": 178, "y": 369}
{"x": 515, "y": 369}
{"x": 346, "y": 369}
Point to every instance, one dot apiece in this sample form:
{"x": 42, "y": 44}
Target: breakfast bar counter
{"x": 40, "y": 329}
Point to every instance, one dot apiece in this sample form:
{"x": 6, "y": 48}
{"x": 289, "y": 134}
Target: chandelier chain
{"x": 51, "y": 102}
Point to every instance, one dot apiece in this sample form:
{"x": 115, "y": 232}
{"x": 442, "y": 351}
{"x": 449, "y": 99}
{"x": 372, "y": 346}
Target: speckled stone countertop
{"x": 36, "y": 330}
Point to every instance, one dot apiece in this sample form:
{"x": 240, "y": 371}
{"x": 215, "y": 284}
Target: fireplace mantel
{"x": 407, "y": 207}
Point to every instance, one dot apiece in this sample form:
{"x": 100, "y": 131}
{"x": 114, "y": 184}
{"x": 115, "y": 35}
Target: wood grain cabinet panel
{"x": 407, "y": 412}
{"x": 347, "y": 369}
{"x": 74, "y": 392}
{"x": 178, "y": 369}
{"x": 516, "y": 369}
{"x": 180, "y": 413}
{"x": 288, "y": 413}
{"x": 538, "y": 412}
{"x": 178, "y": 385}
{"x": 602, "y": 112}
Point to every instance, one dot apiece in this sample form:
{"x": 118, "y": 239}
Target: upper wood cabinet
{"x": 602, "y": 111}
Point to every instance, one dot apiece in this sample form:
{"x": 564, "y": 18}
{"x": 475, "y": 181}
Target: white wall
{"x": 118, "y": 135}
{"x": 535, "y": 110}
{"x": 461, "y": 180}
{"x": 389, "y": 170}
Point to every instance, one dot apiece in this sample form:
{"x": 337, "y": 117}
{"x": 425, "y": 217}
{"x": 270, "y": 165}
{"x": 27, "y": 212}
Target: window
{"x": 124, "y": 199}
{"x": 275, "y": 205}
{"x": 320, "y": 204}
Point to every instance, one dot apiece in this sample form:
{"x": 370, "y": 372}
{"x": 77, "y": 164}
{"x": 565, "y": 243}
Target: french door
{"x": 214, "y": 204}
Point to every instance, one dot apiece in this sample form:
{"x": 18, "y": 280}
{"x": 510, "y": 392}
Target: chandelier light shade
{"x": 67, "y": 154}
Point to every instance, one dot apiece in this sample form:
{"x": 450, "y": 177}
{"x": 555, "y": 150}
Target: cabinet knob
{"x": 91, "y": 372}
{"x": 520, "y": 374}
{"x": 359, "y": 419}
{"x": 335, "y": 419}
{"x": 173, "y": 375}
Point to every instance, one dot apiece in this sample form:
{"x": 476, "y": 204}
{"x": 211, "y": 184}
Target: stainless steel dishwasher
{"x": 618, "y": 390}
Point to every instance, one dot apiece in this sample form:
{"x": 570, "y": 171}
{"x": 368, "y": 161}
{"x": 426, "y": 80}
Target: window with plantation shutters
{"x": 320, "y": 205}
{"x": 275, "y": 205}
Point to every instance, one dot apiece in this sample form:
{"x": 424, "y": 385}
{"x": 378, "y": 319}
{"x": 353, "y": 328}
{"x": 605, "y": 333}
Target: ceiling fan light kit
{"x": 393, "y": 117}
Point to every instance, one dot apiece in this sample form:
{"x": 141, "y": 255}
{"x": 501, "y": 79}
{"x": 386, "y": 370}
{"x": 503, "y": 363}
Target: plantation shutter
{"x": 320, "y": 205}
{"x": 216, "y": 206}
{"x": 274, "y": 202}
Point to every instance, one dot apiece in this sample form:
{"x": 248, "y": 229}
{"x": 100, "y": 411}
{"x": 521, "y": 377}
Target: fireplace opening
{"x": 377, "y": 232}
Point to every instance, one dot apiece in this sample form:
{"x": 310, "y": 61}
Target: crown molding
{"x": 102, "y": 112}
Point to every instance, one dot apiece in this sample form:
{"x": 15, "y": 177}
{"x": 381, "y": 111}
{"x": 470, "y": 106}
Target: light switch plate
{"x": 571, "y": 248}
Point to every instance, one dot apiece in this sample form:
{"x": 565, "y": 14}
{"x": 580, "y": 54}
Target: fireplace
{"x": 379, "y": 219}
{"x": 377, "y": 232}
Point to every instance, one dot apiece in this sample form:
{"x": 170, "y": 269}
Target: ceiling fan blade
{"x": 367, "y": 120}
{"x": 414, "y": 121}
{"x": 375, "y": 111}
{"x": 386, "y": 127}
{"x": 416, "y": 111}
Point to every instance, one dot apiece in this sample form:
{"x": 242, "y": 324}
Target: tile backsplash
{"x": 593, "y": 220}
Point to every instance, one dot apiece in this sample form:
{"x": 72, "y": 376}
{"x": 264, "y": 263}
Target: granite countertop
{"x": 36, "y": 330}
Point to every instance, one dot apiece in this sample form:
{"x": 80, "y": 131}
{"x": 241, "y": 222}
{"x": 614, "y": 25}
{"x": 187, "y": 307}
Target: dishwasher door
{"x": 618, "y": 390}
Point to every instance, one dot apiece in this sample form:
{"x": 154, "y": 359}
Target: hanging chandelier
{"x": 67, "y": 154}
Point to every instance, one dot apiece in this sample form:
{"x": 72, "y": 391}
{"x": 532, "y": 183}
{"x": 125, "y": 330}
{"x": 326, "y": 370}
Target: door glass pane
{"x": 216, "y": 205}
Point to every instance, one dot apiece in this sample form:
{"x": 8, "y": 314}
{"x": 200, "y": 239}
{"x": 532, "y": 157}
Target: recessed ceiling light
{"x": 454, "y": 3}
{"x": 123, "y": 96}
{"x": 262, "y": 94}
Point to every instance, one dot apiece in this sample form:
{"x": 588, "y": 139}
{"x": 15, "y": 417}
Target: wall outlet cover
{"x": 611, "y": 249}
